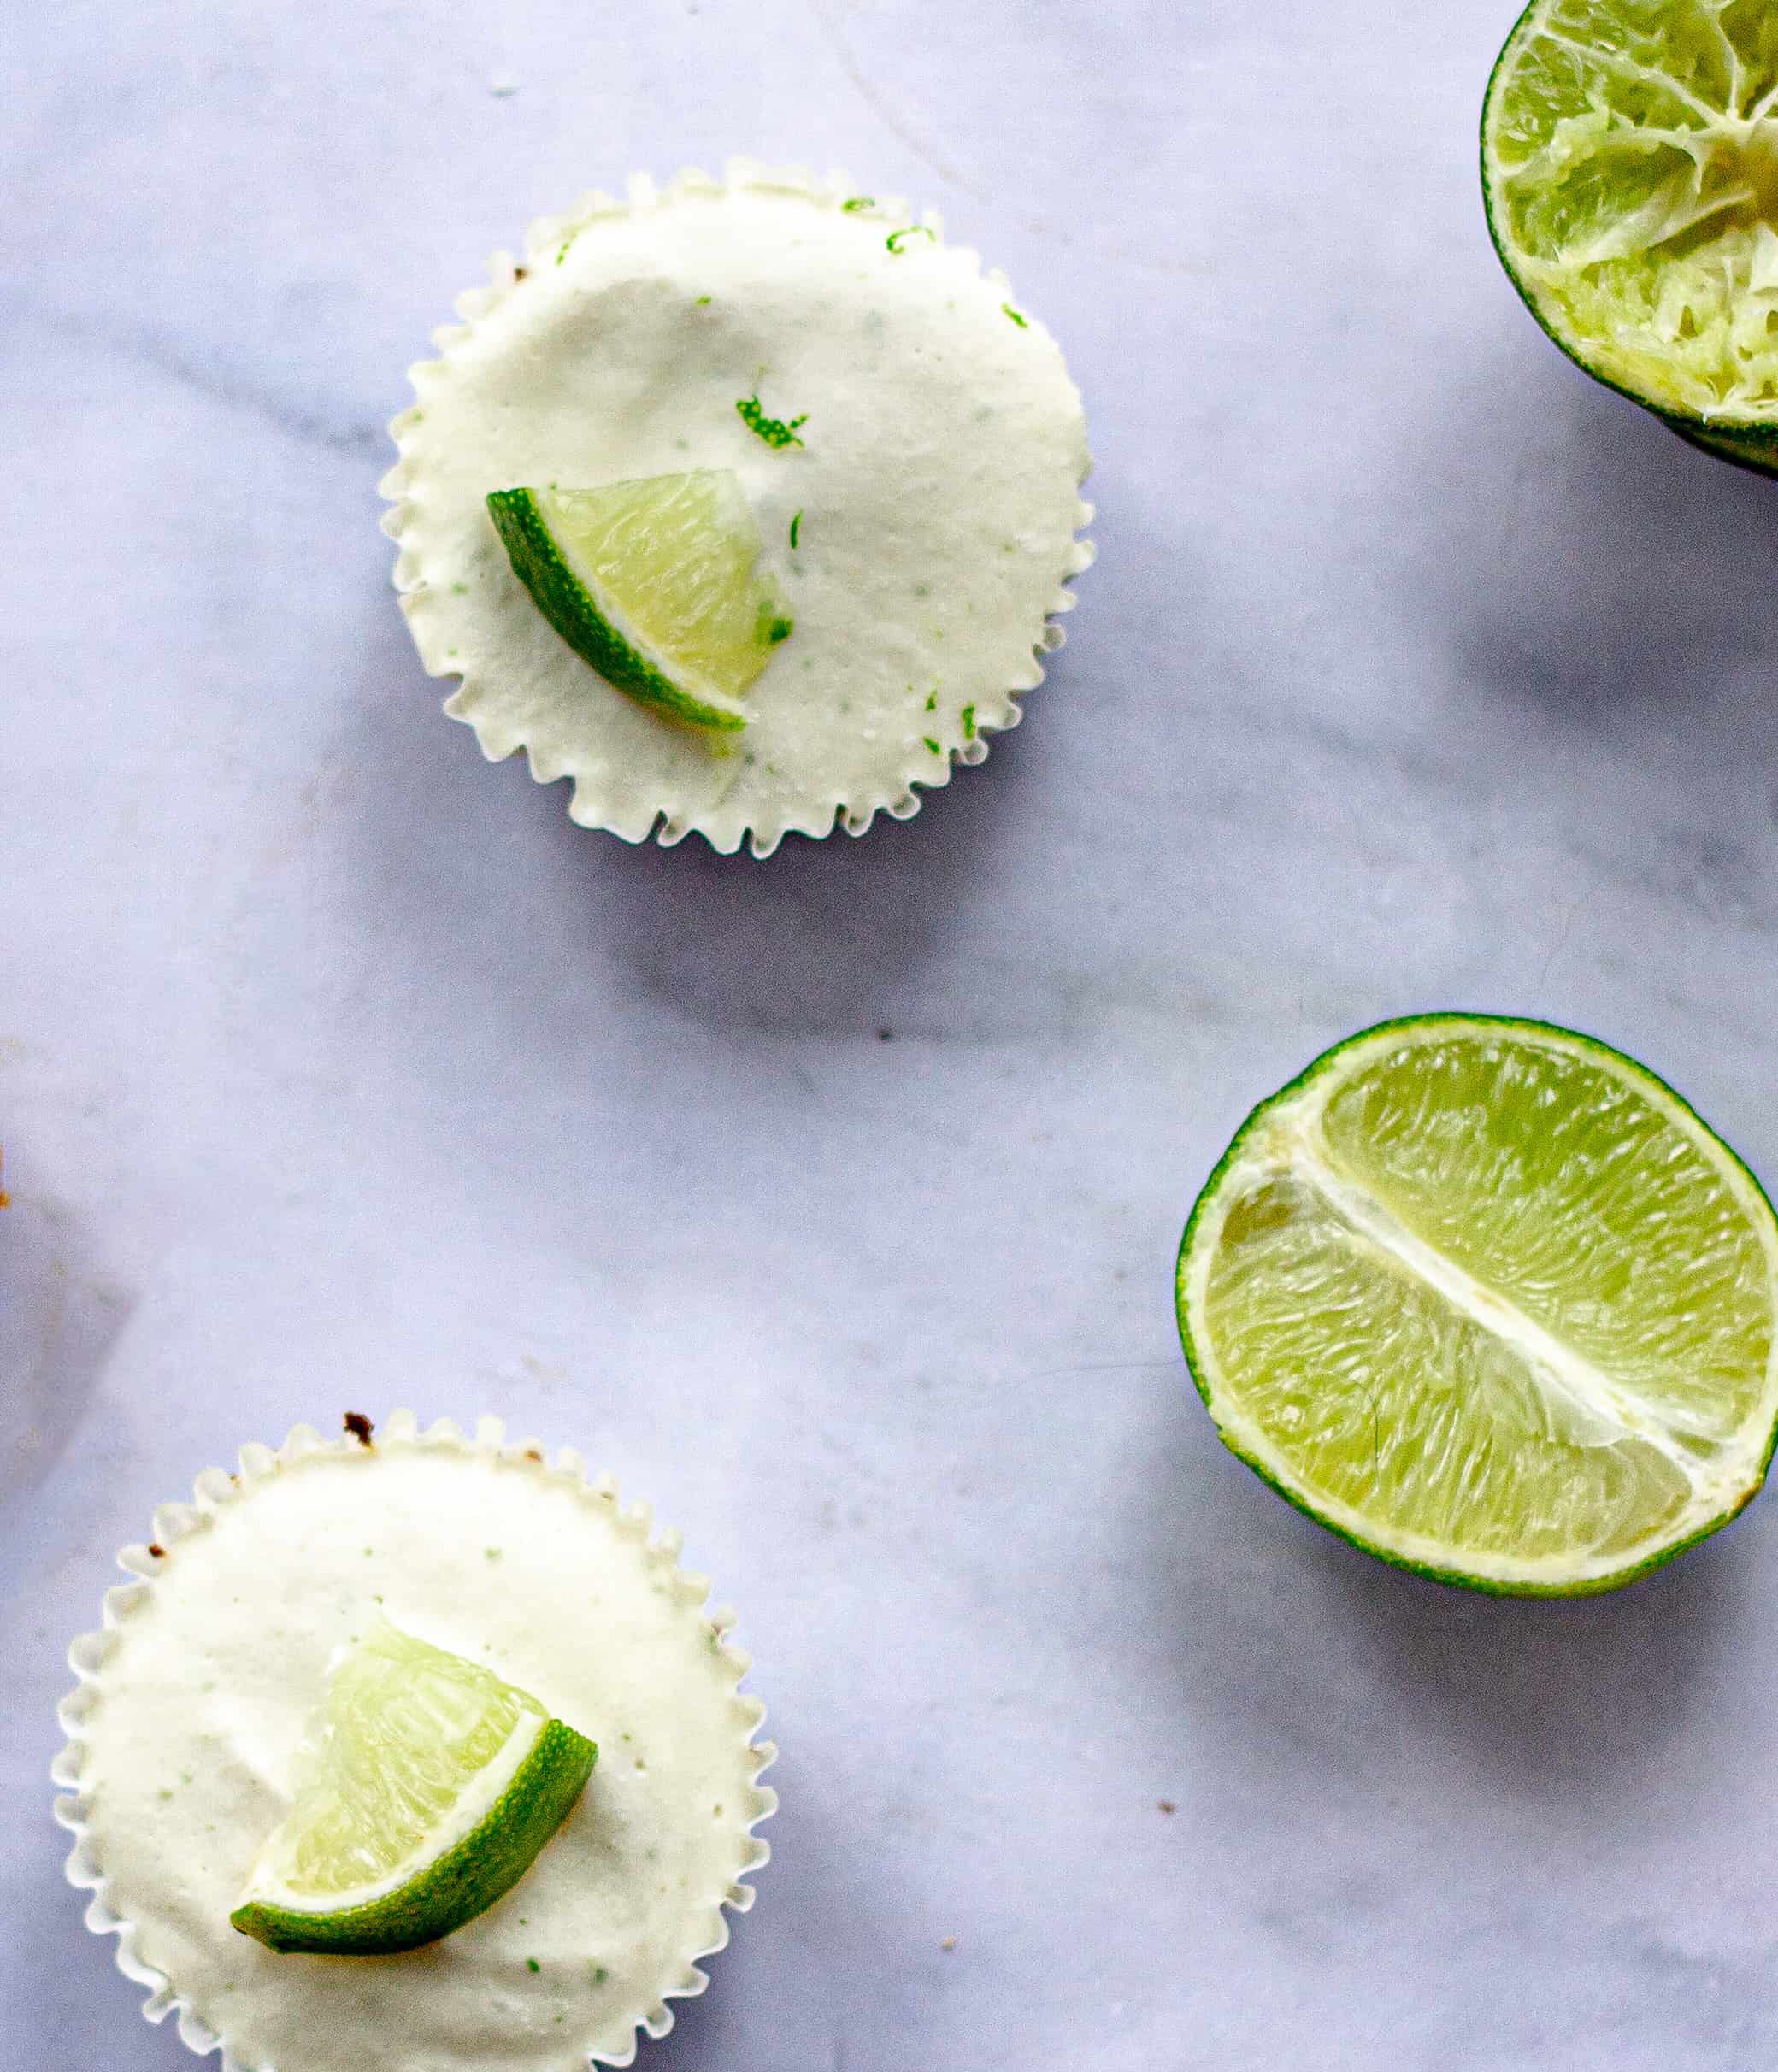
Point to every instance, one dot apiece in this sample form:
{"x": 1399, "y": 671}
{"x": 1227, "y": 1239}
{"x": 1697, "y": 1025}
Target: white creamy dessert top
{"x": 904, "y": 430}
{"x": 193, "y": 1701}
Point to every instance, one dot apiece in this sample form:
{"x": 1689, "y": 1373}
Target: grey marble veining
{"x": 833, "y": 1201}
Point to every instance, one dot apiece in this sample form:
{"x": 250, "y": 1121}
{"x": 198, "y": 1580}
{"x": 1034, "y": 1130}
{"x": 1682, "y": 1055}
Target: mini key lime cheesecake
{"x": 412, "y": 1748}
{"x": 747, "y": 504}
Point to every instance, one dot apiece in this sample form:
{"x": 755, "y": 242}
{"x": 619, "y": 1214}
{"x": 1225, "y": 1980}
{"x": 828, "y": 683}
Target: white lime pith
{"x": 1630, "y": 163}
{"x": 426, "y": 1787}
{"x": 1488, "y": 1300}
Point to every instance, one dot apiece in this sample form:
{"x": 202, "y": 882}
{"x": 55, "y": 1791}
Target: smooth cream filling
{"x": 189, "y": 1730}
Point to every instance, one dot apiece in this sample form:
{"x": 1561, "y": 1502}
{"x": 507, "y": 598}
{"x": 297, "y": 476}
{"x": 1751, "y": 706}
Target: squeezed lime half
{"x": 1629, "y": 154}
{"x": 427, "y": 1789}
{"x": 1488, "y": 1300}
{"x": 655, "y": 584}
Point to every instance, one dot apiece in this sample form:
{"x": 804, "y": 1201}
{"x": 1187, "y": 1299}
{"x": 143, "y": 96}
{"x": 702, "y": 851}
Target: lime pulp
{"x": 1487, "y": 1298}
{"x": 655, "y": 584}
{"x": 1630, "y": 167}
{"x": 427, "y": 1789}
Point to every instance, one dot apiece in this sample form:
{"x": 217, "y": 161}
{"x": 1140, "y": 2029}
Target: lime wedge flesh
{"x": 1487, "y": 1298}
{"x": 426, "y": 1788}
{"x": 1630, "y": 163}
{"x": 655, "y": 583}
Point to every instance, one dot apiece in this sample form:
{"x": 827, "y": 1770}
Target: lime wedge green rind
{"x": 1698, "y": 1455}
{"x": 423, "y": 1789}
{"x": 559, "y": 594}
{"x": 654, "y": 584}
{"x": 480, "y": 1868}
{"x": 1629, "y": 168}
{"x": 1756, "y": 451}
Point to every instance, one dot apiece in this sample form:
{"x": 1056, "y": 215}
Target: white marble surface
{"x": 336, "y": 1069}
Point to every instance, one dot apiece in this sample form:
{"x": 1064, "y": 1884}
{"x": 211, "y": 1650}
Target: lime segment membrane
{"x": 1630, "y": 167}
{"x": 1487, "y": 1298}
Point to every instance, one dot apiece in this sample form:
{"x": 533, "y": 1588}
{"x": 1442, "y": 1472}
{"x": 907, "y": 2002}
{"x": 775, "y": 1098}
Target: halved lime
{"x": 426, "y": 1788}
{"x": 1487, "y": 1298}
{"x": 1629, "y": 158}
{"x": 655, "y": 583}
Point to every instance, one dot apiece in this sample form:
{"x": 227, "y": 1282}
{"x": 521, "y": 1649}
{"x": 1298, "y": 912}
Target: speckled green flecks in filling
{"x": 775, "y": 431}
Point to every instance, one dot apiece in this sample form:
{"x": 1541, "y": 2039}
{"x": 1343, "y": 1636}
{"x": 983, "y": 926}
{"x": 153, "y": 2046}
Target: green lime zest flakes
{"x": 701, "y": 302}
{"x": 532, "y": 1964}
{"x": 1023, "y": 322}
{"x": 858, "y": 202}
{"x": 795, "y": 527}
{"x": 968, "y": 722}
{"x": 566, "y": 246}
{"x": 774, "y": 624}
{"x": 933, "y": 745}
{"x": 773, "y": 430}
{"x": 931, "y": 701}
{"x": 897, "y": 239}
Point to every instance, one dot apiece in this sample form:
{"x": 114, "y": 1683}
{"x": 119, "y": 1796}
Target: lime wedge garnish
{"x": 426, "y": 1789}
{"x": 655, "y": 583}
{"x": 1490, "y": 1300}
{"x": 1630, "y": 161}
